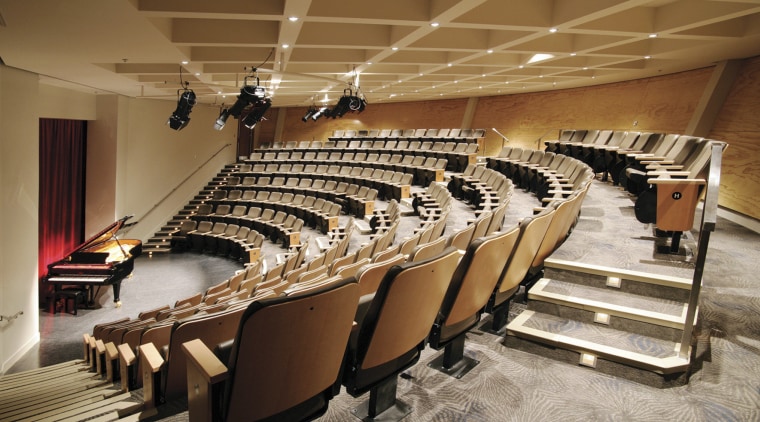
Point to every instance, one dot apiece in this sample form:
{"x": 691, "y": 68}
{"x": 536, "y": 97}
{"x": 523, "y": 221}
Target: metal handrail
{"x": 707, "y": 226}
{"x": 157, "y": 204}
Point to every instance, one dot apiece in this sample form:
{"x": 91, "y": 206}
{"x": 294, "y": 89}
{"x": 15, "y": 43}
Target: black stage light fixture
{"x": 181, "y": 116}
{"x": 309, "y": 113}
{"x": 323, "y": 111}
{"x": 249, "y": 94}
{"x": 257, "y": 112}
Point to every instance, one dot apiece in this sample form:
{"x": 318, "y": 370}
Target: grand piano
{"x": 102, "y": 260}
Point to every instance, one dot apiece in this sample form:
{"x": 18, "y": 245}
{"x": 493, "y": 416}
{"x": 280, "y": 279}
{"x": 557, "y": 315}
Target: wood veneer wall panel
{"x": 663, "y": 103}
{"x": 738, "y": 123}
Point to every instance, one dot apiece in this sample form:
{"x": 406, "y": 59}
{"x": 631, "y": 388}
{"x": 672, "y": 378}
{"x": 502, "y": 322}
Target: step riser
{"x": 629, "y": 286}
{"x": 618, "y": 323}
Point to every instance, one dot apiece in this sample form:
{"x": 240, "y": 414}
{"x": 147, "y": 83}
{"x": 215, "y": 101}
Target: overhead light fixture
{"x": 256, "y": 114}
{"x": 652, "y": 35}
{"x": 434, "y": 24}
{"x": 181, "y": 116}
{"x": 250, "y": 95}
{"x": 552, "y": 30}
{"x": 293, "y": 18}
{"x": 538, "y": 57}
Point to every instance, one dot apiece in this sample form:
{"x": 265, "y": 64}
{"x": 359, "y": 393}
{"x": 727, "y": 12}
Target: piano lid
{"x": 102, "y": 236}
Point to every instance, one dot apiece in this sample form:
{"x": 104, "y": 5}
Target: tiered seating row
{"x": 457, "y": 156}
{"x": 666, "y": 171}
{"x": 456, "y": 135}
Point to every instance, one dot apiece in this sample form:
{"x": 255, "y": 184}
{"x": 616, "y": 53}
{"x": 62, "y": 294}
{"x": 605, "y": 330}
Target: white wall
{"x": 19, "y": 193}
{"x": 154, "y": 162}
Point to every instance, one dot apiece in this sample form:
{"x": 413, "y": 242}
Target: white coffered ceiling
{"x": 401, "y": 50}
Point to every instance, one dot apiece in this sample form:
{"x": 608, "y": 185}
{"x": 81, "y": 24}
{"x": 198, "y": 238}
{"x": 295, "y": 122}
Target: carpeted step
{"x": 610, "y": 301}
{"x": 624, "y": 316}
{"x": 594, "y": 341}
{"x": 634, "y": 282}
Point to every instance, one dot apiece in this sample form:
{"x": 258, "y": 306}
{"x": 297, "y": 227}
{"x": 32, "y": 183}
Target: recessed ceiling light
{"x": 369, "y": 63}
{"x": 647, "y": 57}
{"x": 394, "y": 48}
{"x": 449, "y": 65}
{"x": 185, "y": 62}
{"x": 293, "y": 18}
{"x": 434, "y": 24}
{"x": 197, "y": 74}
{"x": 552, "y": 30}
{"x": 285, "y": 45}
{"x": 585, "y": 68}
{"x": 489, "y": 51}
{"x": 540, "y": 57}
{"x": 573, "y": 54}
{"x": 520, "y": 67}
{"x": 652, "y": 35}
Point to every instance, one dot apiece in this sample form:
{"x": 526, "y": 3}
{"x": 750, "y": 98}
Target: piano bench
{"x": 77, "y": 295}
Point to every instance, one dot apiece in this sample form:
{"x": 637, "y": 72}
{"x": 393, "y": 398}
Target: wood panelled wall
{"x": 738, "y": 123}
{"x": 658, "y": 104}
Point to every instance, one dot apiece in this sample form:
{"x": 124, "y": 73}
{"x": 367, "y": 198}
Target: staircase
{"x": 628, "y": 317}
{"x": 160, "y": 242}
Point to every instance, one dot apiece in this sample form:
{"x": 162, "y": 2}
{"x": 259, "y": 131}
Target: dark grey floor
{"x": 529, "y": 384}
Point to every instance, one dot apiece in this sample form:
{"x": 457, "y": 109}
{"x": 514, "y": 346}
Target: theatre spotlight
{"x": 309, "y": 113}
{"x": 323, "y": 111}
{"x": 181, "y": 116}
{"x": 249, "y": 94}
{"x": 257, "y": 112}
{"x": 348, "y": 103}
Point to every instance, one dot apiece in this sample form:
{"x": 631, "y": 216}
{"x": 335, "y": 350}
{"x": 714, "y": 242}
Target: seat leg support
{"x": 452, "y": 361}
{"x": 382, "y": 404}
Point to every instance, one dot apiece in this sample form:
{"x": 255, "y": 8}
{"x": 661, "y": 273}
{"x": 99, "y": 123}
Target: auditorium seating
{"x": 318, "y": 322}
{"x": 532, "y": 233}
{"x": 393, "y": 329}
{"x": 276, "y": 190}
{"x": 471, "y": 286}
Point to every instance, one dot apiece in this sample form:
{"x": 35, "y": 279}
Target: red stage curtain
{"x": 63, "y": 146}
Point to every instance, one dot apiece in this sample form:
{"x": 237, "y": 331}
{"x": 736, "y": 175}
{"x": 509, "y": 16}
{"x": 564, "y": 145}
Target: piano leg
{"x": 116, "y": 288}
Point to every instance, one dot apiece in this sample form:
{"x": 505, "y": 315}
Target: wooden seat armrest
{"x": 668, "y": 174}
{"x": 151, "y": 363}
{"x": 656, "y": 162}
{"x": 112, "y": 358}
{"x": 648, "y": 159}
{"x": 664, "y": 167}
{"x": 205, "y": 377}
{"x": 126, "y": 360}
{"x": 663, "y": 181}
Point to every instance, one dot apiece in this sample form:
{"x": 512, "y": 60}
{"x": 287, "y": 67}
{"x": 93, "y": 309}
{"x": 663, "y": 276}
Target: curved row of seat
{"x": 641, "y": 162}
{"x": 423, "y": 169}
{"x": 457, "y": 135}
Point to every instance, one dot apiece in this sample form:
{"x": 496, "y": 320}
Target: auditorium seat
{"x": 392, "y": 330}
{"x": 305, "y": 333}
{"x": 471, "y": 286}
{"x": 212, "y": 329}
{"x": 532, "y": 233}
{"x": 180, "y": 239}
